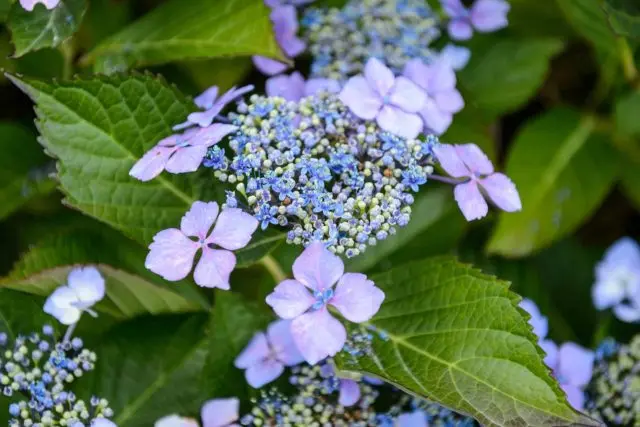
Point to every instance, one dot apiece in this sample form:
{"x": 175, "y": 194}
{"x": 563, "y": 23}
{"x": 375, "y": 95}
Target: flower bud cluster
{"x": 39, "y": 370}
{"x": 394, "y": 31}
{"x": 320, "y": 171}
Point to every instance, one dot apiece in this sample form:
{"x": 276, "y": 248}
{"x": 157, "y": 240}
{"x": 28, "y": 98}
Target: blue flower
{"x": 266, "y": 215}
{"x": 413, "y": 178}
{"x": 215, "y": 158}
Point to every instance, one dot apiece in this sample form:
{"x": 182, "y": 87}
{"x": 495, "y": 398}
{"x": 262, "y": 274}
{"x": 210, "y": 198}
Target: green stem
{"x": 628, "y": 62}
{"x": 273, "y": 267}
{"x": 68, "y": 53}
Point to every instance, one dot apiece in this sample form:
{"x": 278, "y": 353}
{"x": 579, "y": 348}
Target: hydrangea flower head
{"x": 572, "y": 366}
{"x": 266, "y": 355}
{"x": 392, "y": 101}
{"x": 293, "y": 87}
{"x": 30, "y": 4}
{"x": 485, "y": 16}
{"x": 180, "y": 153}
{"x": 285, "y": 27}
{"x": 85, "y": 287}
{"x": 306, "y": 298}
{"x": 173, "y": 250}
{"x": 212, "y": 105}
{"x": 469, "y": 162}
{"x": 442, "y": 98}
{"x": 618, "y": 280}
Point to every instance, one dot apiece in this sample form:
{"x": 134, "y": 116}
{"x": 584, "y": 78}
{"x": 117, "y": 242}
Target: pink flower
{"x": 172, "y": 252}
{"x": 30, "y": 4}
{"x": 485, "y": 16}
{"x": 442, "y": 99}
{"x": 212, "y": 105}
{"x": 179, "y": 153}
{"x": 392, "y": 101}
{"x": 468, "y": 161}
{"x": 266, "y": 355}
{"x": 317, "y": 333}
{"x": 572, "y": 366}
{"x": 294, "y": 87}
{"x": 285, "y": 27}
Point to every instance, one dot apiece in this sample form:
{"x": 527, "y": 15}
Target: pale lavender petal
{"x": 318, "y": 335}
{"x": 575, "y": 364}
{"x": 233, "y": 94}
{"x": 220, "y": 412}
{"x": 273, "y": 3}
{"x": 204, "y": 118}
{"x": 460, "y": 29}
{"x": 30, "y": 4}
{"x": 210, "y": 135}
{"x": 435, "y": 119}
{"x": 234, "y": 229}
{"x": 629, "y": 313}
{"x": 539, "y": 322}
{"x": 151, "y": 164}
{"x": 171, "y": 254}
{"x": 186, "y": 159}
{"x": 357, "y": 298}
{"x": 372, "y": 380}
{"x": 502, "y": 192}
{"x": 88, "y": 284}
{"x": 175, "y": 421}
{"x": 441, "y": 77}
{"x": 317, "y": 268}
{"x": 474, "y": 158}
{"x": 315, "y": 86}
{"x": 489, "y": 15}
{"x": 256, "y": 351}
{"x": 285, "y": 21}
{"x": 453, "y": 8}
{"x": 61, "y": 305}
{"x": 103, "y": 422}
{"x": 292, "y": 46}
{"x": 198, "y": 220}
{"x": 379, "y": 78}
{"x": 624, "y": 251}
{"x": 551, "y": 350}
{"x": 470, "y": 200}
{"x": 407, "y": 95}
{"x": 290, "y": 299}
{"x": 575, "y": 396}
{"x": 263, "y": 372}
{"x": 361, "y": 98}
{"x": 206, "y": 99}
{"x": 418, "y": 72}
{"x": 449, "y": 101}
{"x": 450, "y": 161}
{"x": 412, "y": 419}
{"x": 214, "y": 268}
{"x": 456, "y": 56}
{"x": 349, "y": 392}
{"x": 282, "y": 344}
{"x": 398, "y": 122}
{"x": 607, "y": 293}
{"x": 290, "y": 87}
{"x": 269, "y": 66}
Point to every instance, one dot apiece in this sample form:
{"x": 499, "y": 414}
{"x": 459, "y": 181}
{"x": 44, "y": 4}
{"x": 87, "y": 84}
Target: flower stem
{"x": 273, "y": 267}
{"x": 68, "y": 53}
{"x": 444, "y": 179}
{"x": 628, "y": 63}
{"x": 70, "y": 329}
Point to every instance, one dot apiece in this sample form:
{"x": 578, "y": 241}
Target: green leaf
{"x": 23, "y": 168}
{"x": 233, "y": 323}
{"x": 562, "y": 170}
{"x": 149, "y": 368}
{"x": 189, "y": 29}
{"x": 624, "y": 16}
{"x": 457, "y": 337}
{"x": 469, "y": 126}
{"x": 531, "y": 18}
{"x": 631, "y": 183}
{"x": 44, "y": 28}
{"x": 521, "y": 64}
{"x": 588, "y": 18}
{"x": 627, "y": 111}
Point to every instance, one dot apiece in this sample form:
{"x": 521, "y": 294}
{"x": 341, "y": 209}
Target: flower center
{"x": 322, "y": 298}
{"x": 386, "y": 100}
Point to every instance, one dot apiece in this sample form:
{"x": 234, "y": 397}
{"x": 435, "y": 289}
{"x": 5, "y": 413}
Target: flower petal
{"x": 575, "y": 364}
{"x": 629, "y": 313}
{"x": 186, "y": 159}
{"x": 28, "y": 5}
{"x": 282, "y": 344}
{"x": 210, "y": 135}
{"x": 412, "y": 419}
{"x": 460, "y": 29}
{"x": 398, "y": 122}
{"x": 435, "y": 119}
{"x": 171, "y": 254}
{"x": 318, "y": 335}
{"x": 456, "y": 56}
{"x": 204, "y": 118}
{"x": 357, "y": 298}
{"x": 624, "y": 251}
{"x": 292, "y": 46}
{"x": 539, "y": 322}
{"x": 489, "y": 15}
{"x": 88, "y": 284}
{"x": 379, "y": 78}
{"x": 360, "y": 98}
{"x": 349, "y": 392}
{"x": 317, "y": 268}
{"x": 502, "y": 192}
{"x": 290, "y": 299}
{"x": 450, "y": 101}
{"x": 575, "y": 396}
{"x": 290, "y": 87}
{"x": 315, "y": 86}
{"x": 198, "y": 220}
{"x": 470, "y": 200}
{"x": 418, "y": 72}
{"x": 214, "y": 268}
{"x": 263, "y": 372}
{"x": 61, "y": 305}
{"x": 256, "y": 351}
{"x": 234, "y": 229}
{"x": 607, "y": 293}
{"x": 152, "y": 163}
{"x": 442, "y": 77}
{"x": 220, "y": 412}
{"x": 448, "y": 158}
{"x": 269, "y": 66}
{"x": 551, "y": 350}
{"x": 175, "y": 421}
{"x": 206, "y": 99}
{"x": 406, "y": 95}
{"x": 474, "y": 158}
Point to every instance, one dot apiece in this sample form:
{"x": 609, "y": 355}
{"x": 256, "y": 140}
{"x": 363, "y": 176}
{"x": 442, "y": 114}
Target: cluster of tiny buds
{"x": 394, "y": 31}
{"x": 317, "y": 169}
{"x": 359, "y": 342}
{"x": 39, "y": 369}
